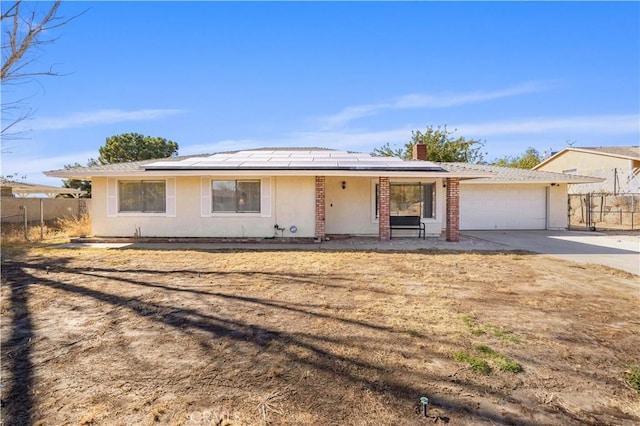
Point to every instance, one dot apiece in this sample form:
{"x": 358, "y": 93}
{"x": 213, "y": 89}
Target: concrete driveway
{"x": 616, "y": 250}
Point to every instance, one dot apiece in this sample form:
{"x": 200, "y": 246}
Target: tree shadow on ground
{"x": 18, "y": 406}
{"x": 16, "y": 351}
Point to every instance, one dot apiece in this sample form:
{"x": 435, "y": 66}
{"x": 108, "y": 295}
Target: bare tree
{"x": 24, "y": 30}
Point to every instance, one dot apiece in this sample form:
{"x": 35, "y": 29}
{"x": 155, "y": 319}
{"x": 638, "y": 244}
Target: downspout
{"x": 546, "y": 207}
{"x": 274, "y": 205}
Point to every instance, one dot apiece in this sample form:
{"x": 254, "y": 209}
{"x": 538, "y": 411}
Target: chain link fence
{"x": 23, "y": 213}
{"x": 604, "y": 211}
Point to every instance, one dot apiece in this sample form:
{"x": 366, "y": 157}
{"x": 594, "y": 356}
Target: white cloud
{"x": 366, "y": 141}
{"x": 352, "y": 140}
{"x": 598, "y": 124}
{"x": 356, "y": 141}
{"x": 95, "y": 118}
{"x": 222, "y": 146}
{"x": 32, "y": 166}
{"x": 417, "y": 101}
{"x": 363, "y": 140}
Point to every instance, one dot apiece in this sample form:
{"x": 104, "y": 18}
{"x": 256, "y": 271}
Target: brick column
{"x": 384, "y": 209}
{"x": 453, "y": 210}
{"x": 320, "y": 207}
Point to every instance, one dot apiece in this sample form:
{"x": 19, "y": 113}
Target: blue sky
{"x": 223, "y": 76}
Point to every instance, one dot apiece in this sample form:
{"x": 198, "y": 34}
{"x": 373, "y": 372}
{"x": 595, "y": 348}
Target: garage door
{"x": 502, "y": 207}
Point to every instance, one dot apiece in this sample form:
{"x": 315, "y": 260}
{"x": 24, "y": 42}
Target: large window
{"x": 235, "y": 196}
{"x": 144, "y": 196}
{"x": 411, "y": 199}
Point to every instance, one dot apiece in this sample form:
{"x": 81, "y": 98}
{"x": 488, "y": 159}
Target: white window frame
{"x": 206, "y": 200}
{"x": 113, "y": 197}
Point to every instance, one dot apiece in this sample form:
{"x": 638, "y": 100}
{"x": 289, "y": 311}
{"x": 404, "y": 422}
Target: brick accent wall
{"x": 453, "y": 210}
{"x": 320, "y": 206}
{"x": 384, "y": 209}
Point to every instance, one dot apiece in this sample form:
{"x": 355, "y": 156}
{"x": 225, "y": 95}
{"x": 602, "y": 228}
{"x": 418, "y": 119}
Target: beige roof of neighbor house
{"x": 631, "y": 152}
{"x": 24, "y": 189}
{"x": 625, "y": 152}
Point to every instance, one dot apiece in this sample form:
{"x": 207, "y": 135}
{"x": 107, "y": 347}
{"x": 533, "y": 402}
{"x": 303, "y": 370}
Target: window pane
{"x": 153, "y": 197}
{"x": 223, "y": 195}
{"x": 142, "y": 196}
{"x": 130, "y": 196}
{"x": 429, "y": 200}
{"x": 406, "y": 200}
{"x": 248, "y": 196}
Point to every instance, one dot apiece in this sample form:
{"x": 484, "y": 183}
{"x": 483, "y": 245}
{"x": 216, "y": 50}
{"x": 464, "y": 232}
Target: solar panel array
{"x": 293, "y": 160}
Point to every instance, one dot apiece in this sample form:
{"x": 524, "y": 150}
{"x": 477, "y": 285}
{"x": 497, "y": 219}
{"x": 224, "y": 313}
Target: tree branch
{"x": 23, "y": 30}
{"x": 20, "y": 47}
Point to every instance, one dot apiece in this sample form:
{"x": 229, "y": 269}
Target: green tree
{"x": 135, "y": 147}
{"x": 84, "y": 185}
{"x": 528, "y": 160}
{"x": 441, "y": 144}
{"x": 123, "y": 148}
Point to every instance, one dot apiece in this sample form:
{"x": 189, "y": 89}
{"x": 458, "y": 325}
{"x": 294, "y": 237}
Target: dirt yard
{"x": 133, "y": 337}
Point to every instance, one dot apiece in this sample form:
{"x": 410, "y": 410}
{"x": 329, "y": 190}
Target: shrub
{"x": 632, "y": 377}
{"x": 503, "y": 362}
{"x": 72, "y": 226}
{"x": 478, "y": 365}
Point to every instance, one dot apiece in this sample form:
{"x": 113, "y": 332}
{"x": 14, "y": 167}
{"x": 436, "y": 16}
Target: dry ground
{"x": 123, "y": 337}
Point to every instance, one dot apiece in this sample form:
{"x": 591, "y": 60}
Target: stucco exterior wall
{"x": 349, "y": 210}
{"x": 583, "y": 162}
{"x": 557, "y": 207}
{"x": 352, "y": 210}
{"x": 435, "y": 226}
{"x": 290, "y": 202}
{"x": 99, "y": 206}
{"x": 294, "y": 203}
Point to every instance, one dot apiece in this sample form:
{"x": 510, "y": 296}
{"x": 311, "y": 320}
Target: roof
{"x": 281, "y": 161}
{"x": 23, "y": 189}
{"x": 631, "y": 152}
{"x": 515, "y": 175}
{"x": 625, "y": 152}
{"x": 311, "y": 161}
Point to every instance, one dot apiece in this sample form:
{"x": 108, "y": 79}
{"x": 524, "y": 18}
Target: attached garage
{"x": 513, "y": 198}
{"x": 490, "y": 207}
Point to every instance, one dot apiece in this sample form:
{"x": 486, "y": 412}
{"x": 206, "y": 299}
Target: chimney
{"x": 420, "y": 152}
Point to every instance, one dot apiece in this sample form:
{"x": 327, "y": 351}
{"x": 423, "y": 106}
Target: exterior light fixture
{"x": 344, "y": 184}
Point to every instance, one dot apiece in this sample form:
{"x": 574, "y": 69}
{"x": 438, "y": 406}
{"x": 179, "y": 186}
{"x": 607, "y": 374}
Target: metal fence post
{"x": 41, "y": 219}
{"x": 587, "y": 202}
{"x": 26, "y": 223}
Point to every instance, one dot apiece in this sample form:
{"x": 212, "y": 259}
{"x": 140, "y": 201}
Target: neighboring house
{"x": 24, "y": 189}
{"x": 618, "y": 166}
{"x": 315, "y": 193}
